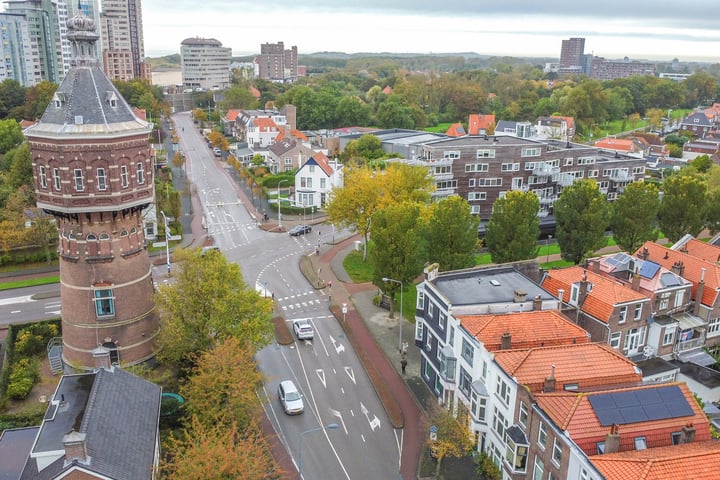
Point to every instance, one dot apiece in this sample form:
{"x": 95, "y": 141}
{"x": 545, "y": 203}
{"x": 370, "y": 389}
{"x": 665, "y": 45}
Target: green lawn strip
{"x": 359, "y": 270}
{"x": 29, "y": 282}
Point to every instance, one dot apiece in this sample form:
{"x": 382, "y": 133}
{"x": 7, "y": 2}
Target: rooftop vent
{"x": 494, "y": 283}
{"x": 78, "y": 119}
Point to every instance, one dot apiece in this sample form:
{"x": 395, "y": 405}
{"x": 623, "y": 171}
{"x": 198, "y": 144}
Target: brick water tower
{"x": 93, "y": 173}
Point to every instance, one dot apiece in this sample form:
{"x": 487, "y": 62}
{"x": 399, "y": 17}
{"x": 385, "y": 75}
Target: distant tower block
{"x": 94, "y": 173}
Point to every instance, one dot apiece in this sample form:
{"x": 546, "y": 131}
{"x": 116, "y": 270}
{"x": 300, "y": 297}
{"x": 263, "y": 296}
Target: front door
{"x": 632, "y": 341}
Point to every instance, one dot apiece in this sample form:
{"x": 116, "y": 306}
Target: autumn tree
{"x": 207, "y": 302}
{"x": 453, "y": 438}
{"x": 514, "y": 227}
{"x": 634, "y": 216}
{"x": 399, "y": 248}
{"x": 219, "y": 452}
{"x": 582, "y": 214}
{"x": 453, "y": 234}
{"x": 682, "y": 209}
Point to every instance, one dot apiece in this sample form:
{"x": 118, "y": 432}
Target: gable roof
{"x": 232, "y": 114}
{"x": 264, "y": 124}
{"x": 478, "y": 122}
{"x": 694, "y": 269}
{"x": 601, "y": 301}
{"x": 698, "y": 249}
{"x": 322, "y": 161}
{"x": 526, "y": 329}
{"x": 291, "y": 133}
{"x": 589, "y": 365}
{"x": 619, "y": 144}
{"x": 574, "y": 413}
{"x": 687, "y": 460}
{"x": 696, "y": 119}
{"x": 456, "y": 130}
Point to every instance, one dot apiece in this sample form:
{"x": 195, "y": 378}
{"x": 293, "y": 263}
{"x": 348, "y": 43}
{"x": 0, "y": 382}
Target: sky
{"x": 639, "y": 29}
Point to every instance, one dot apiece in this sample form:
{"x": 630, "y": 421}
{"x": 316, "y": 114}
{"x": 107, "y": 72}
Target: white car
{"x": 290, "y": 398}
{"x": 303, "y": 329}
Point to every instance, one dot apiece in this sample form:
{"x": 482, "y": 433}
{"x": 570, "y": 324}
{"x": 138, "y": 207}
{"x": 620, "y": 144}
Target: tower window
{"x": 79, "y": 180}
{"x": 56, "y": 178}
{"x": 104, "y": 302}
{"x": 43, "y": 177}
{"x": 101, "y": 179}
{"x": 140, "y": 173}
{"x": 124, "y": 176}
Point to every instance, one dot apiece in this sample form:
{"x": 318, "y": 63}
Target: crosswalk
{"x": 299, "y": 301}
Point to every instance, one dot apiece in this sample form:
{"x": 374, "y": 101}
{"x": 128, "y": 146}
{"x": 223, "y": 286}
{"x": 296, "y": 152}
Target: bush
{"x": 32, "y": 340}
{"x": 24, "y": 374}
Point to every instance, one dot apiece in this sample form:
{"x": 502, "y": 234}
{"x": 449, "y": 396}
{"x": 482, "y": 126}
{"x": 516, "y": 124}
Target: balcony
{"x": 522, "y": 188}
{"x": 566, "y": 180}
{"x": 548, "y": 199}
{"x": 689, "y": 344}
{"x": 545, "y": 170}
{"x": 621, "y": 176}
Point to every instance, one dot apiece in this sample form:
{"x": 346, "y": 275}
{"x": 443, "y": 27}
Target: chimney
{"x": 594, "y": 265}
{"x": 537, "y": 303}
{"x": 678, "y": 268}
{"x": 585, "y": 288}
{"x": 505, "y": 339}
{"x": 612, "y": 441}
{"x": 561, "y": 293}
{"x": 635, "y": 282}
{"x": 101, "y": 358}
{"x": 519, "y": 296}
{"x": 687, "y": 435}
{"x": 699, "y": 293}
{"x": 549, "y": 384}
{"x": 75, "y": 447}
{"x": 644, "y": 254}
{"x": 431, "y": 271}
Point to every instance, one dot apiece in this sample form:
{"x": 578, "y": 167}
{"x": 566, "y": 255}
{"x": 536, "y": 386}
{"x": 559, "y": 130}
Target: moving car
{"x": 303, "y": 329}
{"x": 290, "y": 398}
{"x": 300, "y": 230}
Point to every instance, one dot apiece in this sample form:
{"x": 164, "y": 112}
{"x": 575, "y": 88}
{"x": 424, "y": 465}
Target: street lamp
{"x": 547, "y": 249}
{"x": 280, "y": 205}
{"x": 331, "y": 426}
{"x": 167, "y": 240}
{"x": 386, "y": 279}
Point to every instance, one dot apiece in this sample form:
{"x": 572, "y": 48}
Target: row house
{"x": 699, "y": 459}
{"x": 611, "y": 312}
{"x": 245, "y": 118}
{"x": 229, "y": 122}
{"x": 568, "y": 430}
{"x": 669, "y": 294}
{"x": 315, "y": 181}
{"x": 287, "y": 154}
{"x": 523, "y": 373}
{"x": 698, "y": 123}
{"x": 479, "y": 124}
{"x": 481, "y": 169}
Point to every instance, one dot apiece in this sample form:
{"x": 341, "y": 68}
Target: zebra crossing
{"x": 299, "y": 301}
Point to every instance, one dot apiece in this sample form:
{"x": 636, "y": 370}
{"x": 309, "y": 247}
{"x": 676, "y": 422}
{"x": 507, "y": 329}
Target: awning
{"x": 698, "y": 356}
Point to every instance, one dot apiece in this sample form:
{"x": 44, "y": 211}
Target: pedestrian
{"x": 403, "y": 364}
{"x": 272, "y": 294}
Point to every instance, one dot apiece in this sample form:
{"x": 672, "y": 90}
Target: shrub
{"x": 24, "y": 374}
{"x": 32, "y": 339}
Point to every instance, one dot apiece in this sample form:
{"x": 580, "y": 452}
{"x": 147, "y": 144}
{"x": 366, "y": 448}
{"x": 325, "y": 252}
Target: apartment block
{"x": 277, "y": 64}
{"x": 123, "y": 47}
{"x": 20, "y": 61}
{"x": 205, "y": 64}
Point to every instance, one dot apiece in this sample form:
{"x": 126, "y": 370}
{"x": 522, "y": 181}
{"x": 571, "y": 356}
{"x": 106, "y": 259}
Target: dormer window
{"x": 111, "y": 99}
{"x": 57, "y": 100}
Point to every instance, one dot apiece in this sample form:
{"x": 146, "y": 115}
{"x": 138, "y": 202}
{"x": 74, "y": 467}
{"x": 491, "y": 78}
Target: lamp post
{"x": 547, "y": 249}
{"x": 280, "y": 205}
{"x": 400, "y": 345}
{"x": 331, "y": 426}
{"x": 167, "y": 240}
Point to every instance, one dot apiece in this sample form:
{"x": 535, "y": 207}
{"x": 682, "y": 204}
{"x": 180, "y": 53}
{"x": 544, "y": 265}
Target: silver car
{"x": 303, "y": 329}
{"x": 290, "y": 398}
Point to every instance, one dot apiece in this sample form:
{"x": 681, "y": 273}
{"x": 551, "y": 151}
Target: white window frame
{"x": 124, "y": 177}
{"x": 557, "y": 452}
{"x": 140, "y": 173}
{"x": 56, "y": 179}
{"x": 638, "y": 311}
{"x": 43, "y": 176}
{"x": 615, "y": 338}
{"x": 530, "y": 152}
{"x": 101, "y": 179}
{"x": 622, "y": 315}
{"x": 486, "y": 153}
{"x": 79, "y": 180}
{"x": 669, "y": 336}
{"x": 542, "y": 436}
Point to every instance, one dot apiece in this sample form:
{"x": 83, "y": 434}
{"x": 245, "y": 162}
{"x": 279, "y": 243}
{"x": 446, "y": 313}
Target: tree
{"x": 208, "y": 302}
{"x": 452, "y": 236}
{"x": 634, "y": 216}
{"x": 367, "y": 147}
{"x": 514, "y": 227}
{"x": 453, "y": 437}
{"x": 399, "y": 248}
{"x": 712, "y": 211}
{"x": 11, "y": 135}
{"x": 582, "y": 214}
{"x": 222, "y": 387}
{"x": 219, "y": 452}
{"x": 682, "y": 209}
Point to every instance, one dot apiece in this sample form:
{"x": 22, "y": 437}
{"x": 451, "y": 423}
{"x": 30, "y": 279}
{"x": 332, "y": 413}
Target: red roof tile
{"x": 574, "y": 413}
{"x": 455, "y": 130}
{"x": 232, "y": 114}
{"x": 527, "y": 329}
{"x": 616, "y": 144}
{"x": 601, "y": 301}
{"x": 480, "y": 122}
{"x": 696, "y": 460}
{"x": 589, "y": 365}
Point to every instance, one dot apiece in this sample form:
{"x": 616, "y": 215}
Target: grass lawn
{"x": 358, "y": 270}
{"x": 439, "y": 128}
{"x": 29, "y": 282}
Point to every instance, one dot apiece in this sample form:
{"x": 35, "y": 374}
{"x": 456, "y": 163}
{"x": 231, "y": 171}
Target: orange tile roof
{"x": 693, "y": 269}
{"x": 265, "y": 124}
{"x": 254, "y": 92}
{"x": 590, "y": 365}
{"x": 323, "y": 162}
{"x": 232, "y": 114}
{"x": 572, "y": 411}
{"x": 527, "y": 329}
{"x": 601, "y": 301}
{"x": 698, "y": 249}
{"x": 616, "y": 144}
{"x": 696, "y": 460}
{"x": 455, "y": 130}
{"x": 293, "y": 133}
{"x": 480, "y": 122}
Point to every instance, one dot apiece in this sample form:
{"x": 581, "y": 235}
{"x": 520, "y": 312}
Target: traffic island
{"x": 283, "y": 335}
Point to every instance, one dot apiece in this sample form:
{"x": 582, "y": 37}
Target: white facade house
{"x": 315, "y": 179}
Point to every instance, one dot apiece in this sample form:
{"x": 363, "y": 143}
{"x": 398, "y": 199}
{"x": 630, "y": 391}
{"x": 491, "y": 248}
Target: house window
{"x": 478, "y": 405}
{"x": 542, "y": 436}
{"x": 476, "y": 167}
{"x": 510, "y": 167}
{"x": 56, "y": 178}
{"x": 101, "y": 179}
{"x": 140, "y": 173}
{"x": 427, "y": 371}
{"x": 516, "y": 456}
{"x": 557, "y": 452}
{"x": 420, "y": 300}
{"x": 538, "y": 469}
{"x": 623, "y": 314}
{"x": 675, "y": 438}
{"x": 431, "y": 309}
{"x": 451, "y": 155}
{"x": 124, "y": 177}
{"x": 322, "y": 183}
{"x": 467, "y": 351}
{"x": 574, "y": 293}
{"x": 584, "y": 475}
{"x": 104, "y": 303}
{"x": 428, "y": 342}
{"x": 451, "y": 336}
{"x": 312, "y": 168}
{"x": 448, "y": 366}
{"x": 530, "y": 152}
{"x": 669, "y": 336}
{"x": 593, "y": 174}
{"x": 438, "y": 385}
{"x": 638, "y": 311}
{"x": 679, "y": 298}
{"x": 476, "y": 196}
{"x": 714, "y": 326}
{"x": 503, "y": 391}
{"x": 79, "y": 180}
{"x": 465, "y": 382}
{"x": 442, "y": 322}
{"x": 523, "y": 415}
{"x": 486, "y": 154}
{"x": 471, "y": 183}
{"x": 568, "y": 162}
{"x": 419, "y": 331}
{"x": 43, "y": 177}
{"x": 499, "y": 423}
{"x": 600, "y": 447}
{"x": 640, "y": 443}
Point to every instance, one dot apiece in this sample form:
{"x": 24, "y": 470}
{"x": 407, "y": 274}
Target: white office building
{"x": 205, "y": 64}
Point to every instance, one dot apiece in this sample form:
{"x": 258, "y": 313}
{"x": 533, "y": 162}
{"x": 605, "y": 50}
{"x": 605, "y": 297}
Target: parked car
{"x": 290, "y": 398}
{"x": 300, "y": 230}
{"x": 217, "y": 151}
{"x": 303, "y": 329}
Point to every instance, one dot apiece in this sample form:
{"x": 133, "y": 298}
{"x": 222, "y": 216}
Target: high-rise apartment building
{"x": 47, "y": 31}
{"x": 91, "y": 9}
{"x": 205, "y": 63}
{"x": 18, "y": 59}
{"x": 572, "y": 52}
{"x": 122, "y": 40}
{"x": 277, "y": 64}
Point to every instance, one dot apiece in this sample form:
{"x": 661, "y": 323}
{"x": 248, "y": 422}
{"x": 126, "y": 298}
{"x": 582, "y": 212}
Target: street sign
{"x": 344, "y": 308}
{"x": 433, "y": 433}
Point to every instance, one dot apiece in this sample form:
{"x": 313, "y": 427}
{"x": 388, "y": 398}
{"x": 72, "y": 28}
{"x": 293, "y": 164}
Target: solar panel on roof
{"x": 640, "y": 405}
{"x": 648, "y": 269}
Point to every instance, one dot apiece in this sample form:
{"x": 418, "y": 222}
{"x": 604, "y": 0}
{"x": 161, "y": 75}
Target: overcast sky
{"x": 655, "y": 29}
